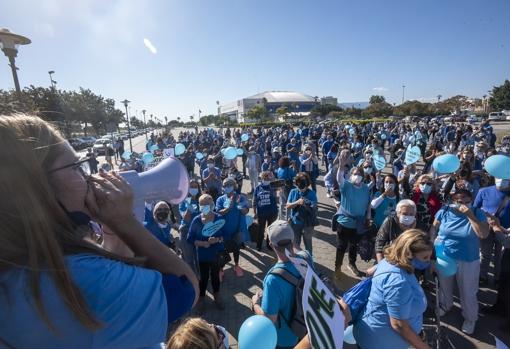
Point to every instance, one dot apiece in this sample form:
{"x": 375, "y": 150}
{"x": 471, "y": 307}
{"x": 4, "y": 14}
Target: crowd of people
{"x": 80, "y": 271}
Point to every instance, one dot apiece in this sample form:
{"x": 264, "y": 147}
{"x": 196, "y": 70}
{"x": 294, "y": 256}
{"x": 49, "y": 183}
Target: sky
{"x": 174, "y": 58}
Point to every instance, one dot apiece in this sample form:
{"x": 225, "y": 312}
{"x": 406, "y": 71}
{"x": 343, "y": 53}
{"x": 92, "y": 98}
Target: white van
{"x": 497, "y": 116}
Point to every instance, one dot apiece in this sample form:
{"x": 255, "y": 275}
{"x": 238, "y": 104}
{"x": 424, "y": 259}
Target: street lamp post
{"x": 403, "y": 93}
{"x": 9, "y": 43}
{"x": 52, "y": 82}
{"x": 144, "y": 124}
{"x": 126, "y": 102}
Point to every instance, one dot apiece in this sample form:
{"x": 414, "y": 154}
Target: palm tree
{"x": 179, "y": 119}
{"x": 439, "y": 98}
{"x": 191, "y": 118}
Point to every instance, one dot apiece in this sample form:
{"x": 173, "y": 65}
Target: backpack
{"x": 357, "y": 297}
{"x": 297, "y": 319}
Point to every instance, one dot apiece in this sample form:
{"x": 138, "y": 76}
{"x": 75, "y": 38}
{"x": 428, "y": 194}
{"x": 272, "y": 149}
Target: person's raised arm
{"x": 111, "y": 202}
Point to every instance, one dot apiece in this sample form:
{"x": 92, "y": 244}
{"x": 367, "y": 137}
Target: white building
{"x": 295, "y": 102}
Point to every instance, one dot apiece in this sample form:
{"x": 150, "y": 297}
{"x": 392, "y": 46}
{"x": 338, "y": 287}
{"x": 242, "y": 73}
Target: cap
{"x": 280, "y": 231}
{"x": 229, "y": 180}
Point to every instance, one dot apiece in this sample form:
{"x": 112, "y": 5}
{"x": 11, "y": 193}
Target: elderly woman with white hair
{"x": 394, "y": 225}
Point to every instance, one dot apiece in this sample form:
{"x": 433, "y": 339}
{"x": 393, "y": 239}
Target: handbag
{"x": 222, "y": 259}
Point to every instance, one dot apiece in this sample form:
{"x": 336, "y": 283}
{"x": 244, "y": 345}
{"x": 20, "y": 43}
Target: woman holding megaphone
{"x": 61, "y": 289}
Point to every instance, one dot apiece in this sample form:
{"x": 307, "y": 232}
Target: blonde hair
{"x": 193, "y": 333}
{"x": 36, "y": 232}
{"x": 405, "y": 247}
{"x": 429, "y": 177}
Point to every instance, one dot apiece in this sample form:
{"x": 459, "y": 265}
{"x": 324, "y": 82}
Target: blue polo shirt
{"x": 286, "y": 173}
{"x": 456, "y": 233}
{"x": 189, "y": 204}
{"x": 353, "y": 203}
{"x": 394, "y": 293}
{"x": 489, "y": 199}
{"x": 278, "y": 298}
{"x": 162, "y": 234}
{"x": 205, "y": 254}
{"x": 236, "y": 221}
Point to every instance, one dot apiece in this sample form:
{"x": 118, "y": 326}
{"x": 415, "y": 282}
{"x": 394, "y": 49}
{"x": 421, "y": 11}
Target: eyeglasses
{"x": 81, "y": 165}
{"x": 220, "y": 334}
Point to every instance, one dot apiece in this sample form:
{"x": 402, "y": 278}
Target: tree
{"x": 324, "y": 110}
{"x": 379, "y": 109}
{"x": 282, "y": 111}
{"x": 375, "y": 99}
{"x": 257, "y": 112}
{"x": 500, "y": 97}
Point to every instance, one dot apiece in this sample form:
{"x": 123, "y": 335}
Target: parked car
{"x": 89, "y": 140}
{"x": 473, "y": 119}
{"x": 98, "y": 146}
{"x": 77, "y": 143}
{"x": 497, "y": 116}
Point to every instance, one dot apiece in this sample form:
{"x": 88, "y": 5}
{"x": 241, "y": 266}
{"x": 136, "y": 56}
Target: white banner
{"x": 323, "y": 316}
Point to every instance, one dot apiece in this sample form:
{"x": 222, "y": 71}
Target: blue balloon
{"x": 498, "y": 166}
{"x": 230, "y": 153}
{"x": 245, "y": 137}
{"x": 153, "y": 148}
{"x": 352, "y": 131}
{"x": 126, "y": 155}
{"x": 257, "y": 332}
{"x": 240, "y": 151}
{"x": 446, "y": 266}
{"x": 179, "y": 149}
{"x": 147, "y": 158}
{"x": 412, "y": 155}
{"x": 383, "y": 136}
{"x": 199, "y": 156}
{"x": 349, "y": 336}
{"x": 447, "y": 163}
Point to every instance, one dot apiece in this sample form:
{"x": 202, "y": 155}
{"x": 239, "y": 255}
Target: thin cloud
{"x": 150, "y": 46}
{"x": 380, "y": 89}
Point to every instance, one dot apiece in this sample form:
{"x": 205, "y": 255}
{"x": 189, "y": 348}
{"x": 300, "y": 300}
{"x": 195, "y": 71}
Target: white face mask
{"x": 425, "y": 188}
{"x": 356, "y": 179}
{"x": 501, "y": 183}
{"x": 163, "y": 226}
{"x": 389, "y": 186}
{"x": 406, "y": 220}
{"x": 368, "y": 170}
{"x": 265, "y": 183}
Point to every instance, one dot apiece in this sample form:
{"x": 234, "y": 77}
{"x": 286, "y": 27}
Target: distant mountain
{"x": 358, "y": 105}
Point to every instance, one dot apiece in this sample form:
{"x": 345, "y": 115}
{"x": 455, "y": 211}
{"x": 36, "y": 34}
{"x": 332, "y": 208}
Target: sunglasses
{"x": 81, "y": 165}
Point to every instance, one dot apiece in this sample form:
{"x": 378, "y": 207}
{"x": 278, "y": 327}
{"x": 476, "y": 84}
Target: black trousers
{"x": 346, "y": 238}
{"x": 504, "y": 285}
{"x": 263, "y": 222}
{"x": 207, "y": 268}
{"x": 232, "y": 246}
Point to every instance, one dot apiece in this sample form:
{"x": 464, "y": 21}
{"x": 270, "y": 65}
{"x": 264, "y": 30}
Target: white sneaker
{"x": 468, "y": 327}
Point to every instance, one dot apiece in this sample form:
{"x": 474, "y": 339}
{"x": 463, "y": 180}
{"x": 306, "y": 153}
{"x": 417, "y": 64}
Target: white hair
{"x": 405, "y": 203}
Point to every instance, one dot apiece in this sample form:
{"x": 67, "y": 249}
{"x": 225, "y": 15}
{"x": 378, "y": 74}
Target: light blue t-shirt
{"x": 386, "y": 208}
{"x": 394, "y": 293}
{"x": 278, "y": 298}
{"x": 236, "y": 221}
{"x": 129, "y": 301}
{"x": 457, "y": 235}
{"x": 353, "y": 203}
{"x": 296, "y": 194}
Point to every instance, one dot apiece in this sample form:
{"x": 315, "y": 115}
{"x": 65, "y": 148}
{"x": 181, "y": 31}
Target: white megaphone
{"x": 167, "y": 181}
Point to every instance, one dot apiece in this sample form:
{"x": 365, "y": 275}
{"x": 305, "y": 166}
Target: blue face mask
{"x": 419, "y": 264}
{"x": 205, "y": 209}
{"x": 193, "y": 191}
{"x": 228, "y": 189}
